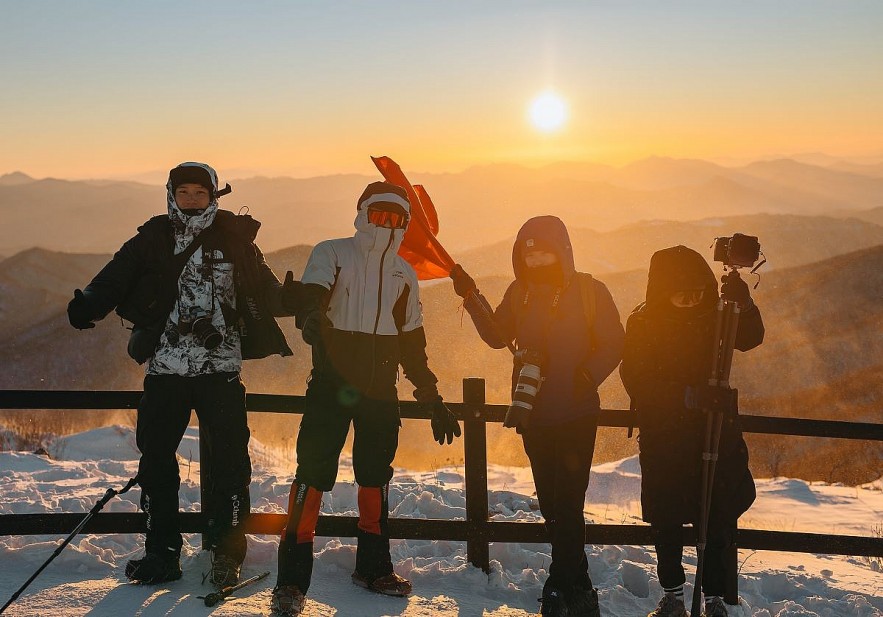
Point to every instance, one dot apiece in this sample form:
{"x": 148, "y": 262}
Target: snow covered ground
{"x": 87, "y": 578}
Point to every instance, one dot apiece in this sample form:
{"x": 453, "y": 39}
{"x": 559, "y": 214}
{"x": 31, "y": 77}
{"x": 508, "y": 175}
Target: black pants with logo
{"x": 561, "y": 459}
{"x": 163, "y": 415}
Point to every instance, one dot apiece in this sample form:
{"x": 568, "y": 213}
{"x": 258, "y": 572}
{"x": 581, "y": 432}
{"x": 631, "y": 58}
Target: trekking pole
{"x": 722, "y": 360}
{"x": 213, "y": 598}
{"x": 110, "y": 494}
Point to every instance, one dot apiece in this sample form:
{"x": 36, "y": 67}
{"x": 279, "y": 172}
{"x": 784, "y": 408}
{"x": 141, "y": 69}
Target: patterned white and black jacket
{"x": 227, "y": 278}
{"x": 373, "y": 318}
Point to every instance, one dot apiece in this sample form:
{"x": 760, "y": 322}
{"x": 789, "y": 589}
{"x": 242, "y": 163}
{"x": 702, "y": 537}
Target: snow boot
{"x": 288, "y": 601}
{"x": 714, "y": 607}
{"x": 669, "y": 606}
{"x": 552, "y": 603}
{"x": 154, "y": 568}
{"x": 583, "y": 602}
{"x": 224, "y": 572}
{"x": 389, "y": 584}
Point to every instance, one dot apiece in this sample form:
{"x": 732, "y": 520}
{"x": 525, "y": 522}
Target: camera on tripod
{"x": 737, "y": 251}
{"x": 530, "y": 378}
{"x": 199, "y": 323}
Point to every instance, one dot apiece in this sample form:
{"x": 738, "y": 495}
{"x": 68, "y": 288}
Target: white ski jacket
{"x": 372, "y": 303}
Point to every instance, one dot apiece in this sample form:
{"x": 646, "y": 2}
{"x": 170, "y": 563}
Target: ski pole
{"x": 110, "y": 494}
{"x": 213, "y": 598}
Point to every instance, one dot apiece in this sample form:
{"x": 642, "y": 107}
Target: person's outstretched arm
{"x": 495, "y": 327}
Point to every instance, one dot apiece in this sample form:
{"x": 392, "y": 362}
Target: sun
{"x": 548, "y": 112}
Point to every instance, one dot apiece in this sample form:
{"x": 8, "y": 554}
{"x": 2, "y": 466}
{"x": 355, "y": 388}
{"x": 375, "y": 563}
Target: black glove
{"x": 463, "y": 283}
{"x": 518, "y": 418}
{"x": 291, "y": 293}
{"x": 712, "y": 398}
{"x": 444, "y": 423}
{"x": 734, "y": 289}
{"x": 80, "y": 312}
{"x": 312, "y": 330}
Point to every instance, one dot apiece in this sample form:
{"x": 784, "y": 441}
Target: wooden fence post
{"x": 475, "y": 453}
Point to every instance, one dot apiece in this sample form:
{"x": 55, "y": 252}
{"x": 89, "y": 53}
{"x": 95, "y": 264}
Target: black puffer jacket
{"x": 666, "y": 350}
{"x": 130, "y": 281}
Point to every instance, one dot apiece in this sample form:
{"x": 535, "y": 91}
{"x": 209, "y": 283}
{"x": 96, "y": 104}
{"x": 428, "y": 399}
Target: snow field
{"x": 87, "y": 578}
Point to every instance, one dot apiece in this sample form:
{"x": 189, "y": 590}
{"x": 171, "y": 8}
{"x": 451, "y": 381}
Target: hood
{"x": 371, "y": 237}
{"x": 679, "y": 268}
{"x": 187, "y": 227}
{"x": 549, "y": 234}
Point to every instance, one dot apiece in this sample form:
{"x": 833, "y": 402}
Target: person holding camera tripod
{"x": 665, "y": 369}
{"x": 202, "y": 299}
{"x": 568, "y": 338}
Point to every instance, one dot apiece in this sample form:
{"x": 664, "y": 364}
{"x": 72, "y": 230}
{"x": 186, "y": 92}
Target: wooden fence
{"x": 476, "y": 530}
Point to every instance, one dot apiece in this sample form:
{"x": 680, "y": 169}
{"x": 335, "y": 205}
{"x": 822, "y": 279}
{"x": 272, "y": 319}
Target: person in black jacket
{"x": 567, "y": 320}
{"x": 666, "y": 365}
{"x": 202, "y": 299}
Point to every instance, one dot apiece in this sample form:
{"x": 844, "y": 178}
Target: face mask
{"x": 548, "y": 275}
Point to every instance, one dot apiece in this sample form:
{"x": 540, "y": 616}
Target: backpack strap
{"x": 587, "y": 291}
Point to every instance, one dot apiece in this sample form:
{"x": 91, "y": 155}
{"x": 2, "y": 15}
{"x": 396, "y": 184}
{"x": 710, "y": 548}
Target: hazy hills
{"x": 477, "y": 206}
{"x": 823, "y": 355}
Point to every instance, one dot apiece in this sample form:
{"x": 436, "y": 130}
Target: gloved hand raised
{"x": 80, "y": 313}
{"x": 463, "y": 283}
{"x": 711, "y": 398}
{"x": 734, "y": 289}
{"x": 291, "y": 293}
{"x": 444, "y": 423}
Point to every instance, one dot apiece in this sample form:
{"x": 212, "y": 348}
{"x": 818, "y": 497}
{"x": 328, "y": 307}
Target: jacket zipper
{"x": 377, "y": 316}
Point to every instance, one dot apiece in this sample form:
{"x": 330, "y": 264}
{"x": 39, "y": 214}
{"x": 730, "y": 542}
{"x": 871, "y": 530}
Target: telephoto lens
{"x": 530, "y": 378}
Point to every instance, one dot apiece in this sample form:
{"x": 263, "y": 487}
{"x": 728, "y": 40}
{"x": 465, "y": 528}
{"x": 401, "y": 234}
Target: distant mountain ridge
{"x": 476, "y": 206}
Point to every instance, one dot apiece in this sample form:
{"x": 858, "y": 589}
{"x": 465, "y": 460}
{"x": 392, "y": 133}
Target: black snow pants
{"x": 670, "y": 553}
{"x": 329, "y": 412}
{"x": 561, "y": 459}
{"x": 163, "y": 415}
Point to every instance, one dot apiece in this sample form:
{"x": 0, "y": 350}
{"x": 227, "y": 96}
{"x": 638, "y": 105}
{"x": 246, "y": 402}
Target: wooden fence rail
{"x": 476, "y": 530}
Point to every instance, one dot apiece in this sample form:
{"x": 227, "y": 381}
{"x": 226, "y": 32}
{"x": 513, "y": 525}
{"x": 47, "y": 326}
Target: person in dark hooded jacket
{"x": 666, "y": 362}
{"x": 202, "y": 299}
{"x": 569, "y": 320}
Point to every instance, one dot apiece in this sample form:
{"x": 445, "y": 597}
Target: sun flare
{"x": 548, "y": 112}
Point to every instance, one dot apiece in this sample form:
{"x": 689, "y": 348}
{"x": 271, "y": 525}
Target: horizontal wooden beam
{"x": 452, "y": 530}
{"x": 286, "y": 403}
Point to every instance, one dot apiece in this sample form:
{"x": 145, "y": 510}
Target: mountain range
{"x": 476, "y": 207}
{"x": 822, "y": 357}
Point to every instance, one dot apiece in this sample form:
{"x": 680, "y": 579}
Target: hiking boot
{"x": 287, "y": 601}
{"x": 389, "y": 585}
{"x": 154, "y": 568}
{"x": 669, "y": 606}
{"x": 224, "y": 572}
{"x": 552, "y": 604}
{"x": 715, "y": 607}
{"x": 583, "y": 603}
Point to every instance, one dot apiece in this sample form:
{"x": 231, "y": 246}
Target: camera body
{"x": 737, "y": 251}
{"x": 199, "y": 323}
{"x": 527, "y": 386}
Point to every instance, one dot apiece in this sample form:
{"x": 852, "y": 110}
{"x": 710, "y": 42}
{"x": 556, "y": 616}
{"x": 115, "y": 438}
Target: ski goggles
{"x": 385, "y": 218}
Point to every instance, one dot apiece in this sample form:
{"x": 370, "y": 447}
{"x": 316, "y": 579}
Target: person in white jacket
{"x": 361, "y": 314}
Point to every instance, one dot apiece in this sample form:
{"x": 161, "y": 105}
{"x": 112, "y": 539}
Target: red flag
{"x": 420, "y": 247}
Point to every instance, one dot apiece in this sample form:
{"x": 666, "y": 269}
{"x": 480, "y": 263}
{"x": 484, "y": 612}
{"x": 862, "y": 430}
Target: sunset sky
{"x": 110, "y": 89}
